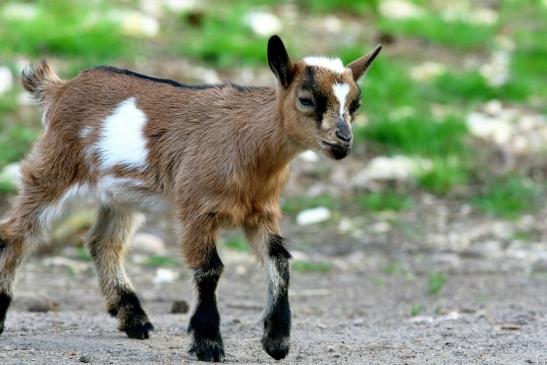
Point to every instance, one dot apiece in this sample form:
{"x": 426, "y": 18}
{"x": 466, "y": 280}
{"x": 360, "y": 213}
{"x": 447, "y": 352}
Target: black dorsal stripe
{"x": 174, "y": 83}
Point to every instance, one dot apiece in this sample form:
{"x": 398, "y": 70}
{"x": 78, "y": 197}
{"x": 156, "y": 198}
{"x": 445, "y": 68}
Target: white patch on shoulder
{"x": 341, "y": 92}
{"x": 333, "y": 64}
{"x": 122, "y": 140}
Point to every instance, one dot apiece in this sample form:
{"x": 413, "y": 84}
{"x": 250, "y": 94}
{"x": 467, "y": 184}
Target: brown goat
{"x": 216, "y": 155}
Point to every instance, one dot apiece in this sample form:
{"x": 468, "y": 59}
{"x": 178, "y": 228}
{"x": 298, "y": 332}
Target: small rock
{"x": 489, "y": 128}
{"x": 309, "y": 156}
{"x": 11, "y": 174}
{"x": 496, "y": 72}
{"x": 299, "y": 255}
{"x": 427, "y": 71}
{"x": 165, "y": 276}
{"x": 311, "y": 216}
{"x": 263, "y": 23}
{"x": 72, "y": 265}
{"x": 137, "y": 24}
{"x": 380, "y": 227}
{"x": 399, "y": 9}
{"x": 148, "y": 243}
{"x": 451, "y": 316}
{"x": 42, "y": 305}
{"x": 16, "y": 10}
{"x": 422, "y": 320}
{"x": 6, "y": 79}
{"x": 398, "y": 168}
{"x": 508, "y": 327}
{"x": 180, "y": 306}
{"x": 85, "y": 359}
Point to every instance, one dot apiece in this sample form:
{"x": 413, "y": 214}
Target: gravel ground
{"x": 354, "y": 314}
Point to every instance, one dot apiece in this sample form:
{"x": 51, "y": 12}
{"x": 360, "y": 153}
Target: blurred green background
{"x": 454, "y": 108}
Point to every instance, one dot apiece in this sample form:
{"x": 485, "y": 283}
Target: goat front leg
{"x": 267, "y": 241}
{"x": 201, "y": 254}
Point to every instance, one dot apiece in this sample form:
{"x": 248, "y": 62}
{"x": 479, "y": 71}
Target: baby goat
{"x": 216, "y": 155}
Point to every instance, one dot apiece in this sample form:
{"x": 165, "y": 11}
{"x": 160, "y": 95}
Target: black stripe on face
{"x": 319, "y": 99}
{"x": 355, "y": 103}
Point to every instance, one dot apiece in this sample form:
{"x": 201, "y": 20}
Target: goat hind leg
{"x": 107, "y": 247}
{"x": 11, "y": 254}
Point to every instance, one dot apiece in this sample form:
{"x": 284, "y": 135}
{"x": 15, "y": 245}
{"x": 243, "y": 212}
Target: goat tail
{"x": 40, "y": 81}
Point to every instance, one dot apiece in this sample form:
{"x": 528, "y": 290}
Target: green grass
{"x": 445, "y": 174}
{"x": 82, "y": 254}
{"x": 15, "y": 138}
{"x": 161, "y": 261}
{"x": 300, "y": 203}
{"x": 65, "y": 28}
{"x": 416, "y": 310}
{"x": 420, "y": 135}
{"x": 509, "y": 197}
{"x": 528, "y": 65}
{"x": 7, "y": 187}
{"x": 222, "y": 37}
{"x": 237, "y": 244}
{"x": 525, "y": 236}
{"x": 432, "y": 28}
{"x": 349, "y": 6}
{"x": 385, "y": 201}
{"x": 465, "y": 87}
{"x": 311, "y": 266}
{"x": 435, "y": 282}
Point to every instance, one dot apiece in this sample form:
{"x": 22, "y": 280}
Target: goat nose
{"x": 343, "y": 135}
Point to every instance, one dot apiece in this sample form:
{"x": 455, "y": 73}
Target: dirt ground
{"x": 492, "y": 310}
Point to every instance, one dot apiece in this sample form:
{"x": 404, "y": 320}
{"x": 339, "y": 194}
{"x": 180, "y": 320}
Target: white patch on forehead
{"x": 332, "y": 64}
{"x": 122, "y": 140}
{"x": 341, "y": 92}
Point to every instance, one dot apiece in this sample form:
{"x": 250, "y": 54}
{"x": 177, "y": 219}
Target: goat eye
{"x": 354, "y": 106}
{"x": 306, "y": 102}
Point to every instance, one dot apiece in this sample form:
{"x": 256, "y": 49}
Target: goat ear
{"x": 360, "y": 65}
{"x": 279, "y": 61}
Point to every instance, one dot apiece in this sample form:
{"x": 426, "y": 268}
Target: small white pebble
{"x": 312, "y": 216}
{"x": 6, "y": 79}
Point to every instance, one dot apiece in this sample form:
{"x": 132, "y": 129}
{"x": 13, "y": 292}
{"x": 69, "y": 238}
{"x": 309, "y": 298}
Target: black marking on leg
{"x": 205, "y": 322}
{"x": 5, "y": 301}
{"x": 133, "y": 319}
{"x": 276, "y": 247}
{"x": 3, "y": 244}
{"x": 277, "y": 322}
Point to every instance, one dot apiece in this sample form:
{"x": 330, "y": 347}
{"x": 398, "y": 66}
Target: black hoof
{"x": 139, "y": 331}
{"x": 1, "y": 328}
{"x": 277, "y": 348}
{"x": 208, "y": 350}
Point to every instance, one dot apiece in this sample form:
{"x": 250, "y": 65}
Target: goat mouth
{"x": 336, "y": 151}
